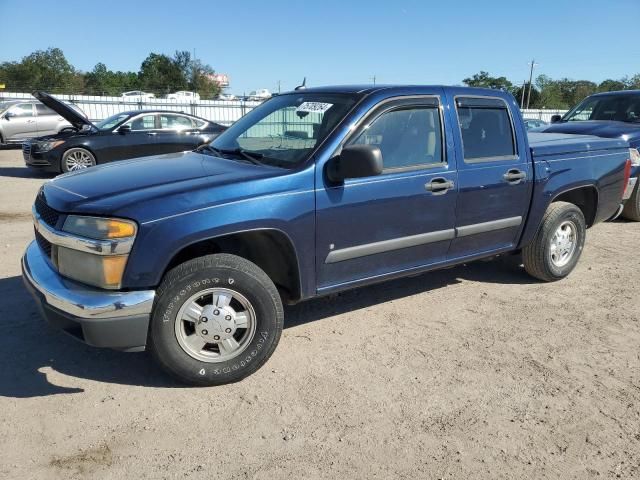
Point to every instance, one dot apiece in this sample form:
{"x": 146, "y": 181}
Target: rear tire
{"x": 76, "y": 159}
{"x": 631, "y": 209}
{"x": 555, "y": 250}
{"x": 217, "y": 319}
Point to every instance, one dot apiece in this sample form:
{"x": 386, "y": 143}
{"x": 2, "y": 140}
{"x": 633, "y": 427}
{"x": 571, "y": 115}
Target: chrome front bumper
{"x": 102, "y": 318}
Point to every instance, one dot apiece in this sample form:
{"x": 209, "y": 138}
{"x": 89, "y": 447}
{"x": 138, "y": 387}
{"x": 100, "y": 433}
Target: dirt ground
{"x": 472, "y": 372}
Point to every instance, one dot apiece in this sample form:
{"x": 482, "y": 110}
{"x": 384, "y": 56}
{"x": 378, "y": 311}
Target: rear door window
{"x": 486, "y": 129}
{"x": 175, "y": 122}
{"x": 44, "y": 110}
{"x": 145, "y": 122}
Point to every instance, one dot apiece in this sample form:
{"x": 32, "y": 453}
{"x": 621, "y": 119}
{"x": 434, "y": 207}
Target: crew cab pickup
{"x": 192, "y": 255}
{"x": 609, "y": 115}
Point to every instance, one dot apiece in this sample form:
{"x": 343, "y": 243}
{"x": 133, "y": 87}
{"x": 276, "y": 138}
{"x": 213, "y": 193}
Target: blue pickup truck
{"x": 192, "y": 255}
{"x": 609, "y": 115}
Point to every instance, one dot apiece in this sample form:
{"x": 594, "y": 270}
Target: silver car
{"x": 24, "y": 119}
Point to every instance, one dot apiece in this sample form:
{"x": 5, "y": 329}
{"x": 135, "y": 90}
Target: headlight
{"x": 99, "y": 228}
{"x": 49, "y": 145}
{"x": 104, "y": 271}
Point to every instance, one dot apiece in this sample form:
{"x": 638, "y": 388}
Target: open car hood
{"x": 65, "y": 111}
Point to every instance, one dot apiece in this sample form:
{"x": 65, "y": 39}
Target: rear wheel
{"x": 76, "y": 159}
{"x": 217, "y": 319}
{"x": 631, "y": 209}
{"x": 556, "y": 248}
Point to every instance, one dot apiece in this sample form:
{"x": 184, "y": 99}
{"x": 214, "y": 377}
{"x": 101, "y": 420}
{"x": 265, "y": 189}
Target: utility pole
{"x": 278, "y": 86}
{"x": 533, "y": 64}
{"x": 524, "y": 87}
{"x": 374, "y": 80}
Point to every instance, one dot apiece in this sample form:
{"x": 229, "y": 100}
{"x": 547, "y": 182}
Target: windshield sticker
{"x": 314, "y": 107}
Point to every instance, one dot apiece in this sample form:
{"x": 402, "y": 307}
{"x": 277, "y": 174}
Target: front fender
{"x": 158, "y": 241}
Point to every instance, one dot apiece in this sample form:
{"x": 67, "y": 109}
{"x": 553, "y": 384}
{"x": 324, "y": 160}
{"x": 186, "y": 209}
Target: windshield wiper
{"x": 253, "y": 157}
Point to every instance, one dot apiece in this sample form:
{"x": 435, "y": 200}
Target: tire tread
{"x": 224, "y": 261}
{"x": 533, "y": 255}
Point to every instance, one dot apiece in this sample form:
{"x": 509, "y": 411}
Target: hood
{"x": 126, "y": 187}
{"x": 600, "y": 128}
{"x": 64, "y": 110}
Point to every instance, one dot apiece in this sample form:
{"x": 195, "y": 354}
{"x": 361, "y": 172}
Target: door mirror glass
{"x": 124, "y": 129}
{"x": 355, "y": 161}
{"x": 555, "y": 118}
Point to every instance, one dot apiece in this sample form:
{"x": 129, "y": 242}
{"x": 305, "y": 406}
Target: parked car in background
{"x": 184, "y": 96}
{"x": 609, "y": 115}
{"x": 24, "y": 119}
{"x": 311, "y": 193}
{"x": 227, "y": 96}
{"x": 534, "y": 123}
{"x": 261, "y": 94}
{"x": 125, "y": 135}
{"x": 136, "y": 96}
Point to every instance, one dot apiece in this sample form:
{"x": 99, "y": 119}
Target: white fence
{"x": 542, "y": 114}
{"x": 220, "y": 111}
{"x": 97, "y": 108}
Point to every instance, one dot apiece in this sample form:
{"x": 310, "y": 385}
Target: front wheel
{"x": 556, "y": 248}
{"x": 76, "y": 159}
{"x": 217, "y": 319}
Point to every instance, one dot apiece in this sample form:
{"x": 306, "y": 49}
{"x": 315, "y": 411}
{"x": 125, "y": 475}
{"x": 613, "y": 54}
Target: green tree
{"x": 101, "y": 81}
{"x": 534, "y": 99}
{"x": 42, "y": 70}
{"x": 612, "y": 85}
{"x": 483, "y": 79}
{"x": 199, "y": 75}
{"x": 161, "y": 75}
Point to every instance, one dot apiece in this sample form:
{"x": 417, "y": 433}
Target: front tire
{"x": 557, "y": 246}
{"x": 631, "y": 209}
{"x": 76, "y": 159}
{"x": 217, "y": 319}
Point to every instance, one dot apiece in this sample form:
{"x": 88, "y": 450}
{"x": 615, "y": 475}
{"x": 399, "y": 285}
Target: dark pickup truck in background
{"x": 192, "y": 255}
{"x": 609, "y": 115}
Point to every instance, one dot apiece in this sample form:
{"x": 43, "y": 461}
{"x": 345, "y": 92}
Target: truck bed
{"x": 557, "y": 144}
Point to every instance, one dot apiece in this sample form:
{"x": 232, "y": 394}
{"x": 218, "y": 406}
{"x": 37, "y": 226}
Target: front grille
{"x": 26, "y": 151}
{"x": 44, "y": 244}
{"x": 48, "y": 214}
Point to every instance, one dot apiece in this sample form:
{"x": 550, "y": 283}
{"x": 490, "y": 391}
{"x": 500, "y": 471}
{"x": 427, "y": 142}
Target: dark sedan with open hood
{"x": 136, "y": 133}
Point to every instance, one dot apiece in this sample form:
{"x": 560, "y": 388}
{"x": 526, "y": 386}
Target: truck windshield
{"x": 283, "y": 131}
{"x": 621, "y": 108}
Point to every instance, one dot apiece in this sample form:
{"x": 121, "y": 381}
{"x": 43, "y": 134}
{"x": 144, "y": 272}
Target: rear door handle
{"x": 152, "y": 134}
{"x": 514, "y": 176}
{"x": 439, "y": 186}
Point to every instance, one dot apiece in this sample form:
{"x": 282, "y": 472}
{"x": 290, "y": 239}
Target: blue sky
{"x": 259, "y": 43}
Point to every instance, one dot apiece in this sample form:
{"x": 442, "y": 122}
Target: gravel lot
{"x": 472, "y": 372}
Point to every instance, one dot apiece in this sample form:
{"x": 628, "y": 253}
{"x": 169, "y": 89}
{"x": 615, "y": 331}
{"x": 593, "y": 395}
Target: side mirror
{"x": 9, "y": 115}
{"x": 555, "y": 118}
{"x": 124, "y": 129}
{"x": 355, "y": 161}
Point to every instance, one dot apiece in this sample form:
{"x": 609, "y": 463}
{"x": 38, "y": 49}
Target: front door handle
{"x": 514, "y": 176}
{"x": 152, "y": 134}
{"x": 439, "y": 186}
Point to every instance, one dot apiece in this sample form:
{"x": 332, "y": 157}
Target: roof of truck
{"x": 364, "y": 89}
